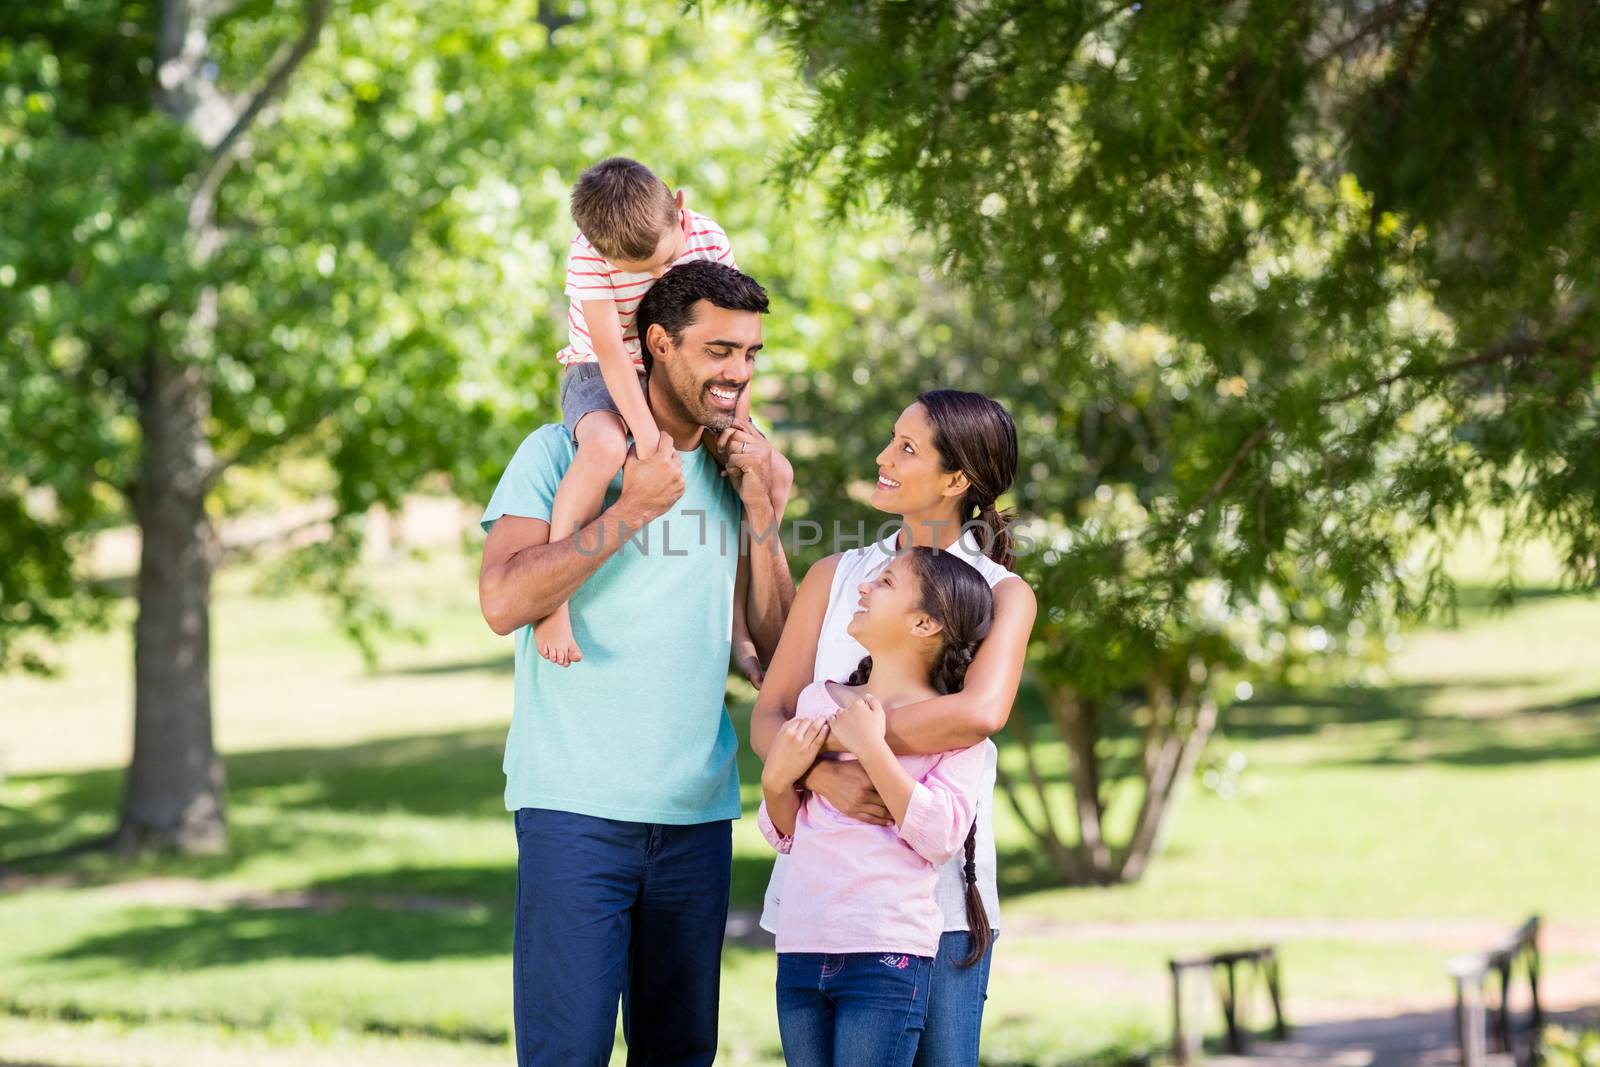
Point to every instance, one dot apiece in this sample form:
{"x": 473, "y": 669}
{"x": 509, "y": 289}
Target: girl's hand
{"x": 792, "y": 753}
{"x": 859, "y": 727}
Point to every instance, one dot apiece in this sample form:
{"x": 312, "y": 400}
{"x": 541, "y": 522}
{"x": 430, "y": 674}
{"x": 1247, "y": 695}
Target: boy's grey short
{"x": 583, "y": 390}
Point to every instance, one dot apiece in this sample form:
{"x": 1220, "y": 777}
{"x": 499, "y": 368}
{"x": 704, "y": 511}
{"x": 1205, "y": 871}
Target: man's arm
{"x": 771, "y": 592}
{"x": 524, "y": 577}
{"x": 981, "y": 708}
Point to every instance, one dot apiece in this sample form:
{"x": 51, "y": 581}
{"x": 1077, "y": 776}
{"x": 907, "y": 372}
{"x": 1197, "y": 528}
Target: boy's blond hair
{"x": 622, "y": 208}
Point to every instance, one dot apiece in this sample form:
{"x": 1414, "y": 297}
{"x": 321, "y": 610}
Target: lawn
{"x": 365, "y": 897}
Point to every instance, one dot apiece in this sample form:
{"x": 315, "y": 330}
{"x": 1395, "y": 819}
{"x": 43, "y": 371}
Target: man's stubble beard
{"x": 689, "y": 396}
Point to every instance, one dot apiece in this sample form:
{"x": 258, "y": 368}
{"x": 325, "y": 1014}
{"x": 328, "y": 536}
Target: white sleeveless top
{"x": 837, "y": 655}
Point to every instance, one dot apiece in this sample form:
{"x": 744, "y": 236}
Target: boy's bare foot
{"x": 552, "y": 636}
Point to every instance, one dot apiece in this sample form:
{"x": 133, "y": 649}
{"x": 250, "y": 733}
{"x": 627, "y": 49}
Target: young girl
{"x": 859, "y": 927}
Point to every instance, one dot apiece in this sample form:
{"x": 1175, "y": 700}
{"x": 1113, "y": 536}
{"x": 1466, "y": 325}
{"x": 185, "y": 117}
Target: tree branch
{"x": 1251, "y": 443}
{"x": 1381, "y": 19}
{"x": 282, "y": 68}
{"x": 1493, "y": 354}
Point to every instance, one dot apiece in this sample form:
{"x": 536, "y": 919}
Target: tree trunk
{"x": 174, "y": 795}
{"x": 1078, "y": 722}
{"x": 175, "y": 782}
{"x": 1171, "y": 768}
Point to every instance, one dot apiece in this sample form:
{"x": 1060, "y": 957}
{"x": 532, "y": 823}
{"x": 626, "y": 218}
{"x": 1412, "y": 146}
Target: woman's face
{"x": 911, "y": 475}
{"x": 888, "y": 610}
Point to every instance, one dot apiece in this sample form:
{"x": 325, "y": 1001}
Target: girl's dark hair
{"x": 975, "y": 435}
{"x": 953, "y": 594}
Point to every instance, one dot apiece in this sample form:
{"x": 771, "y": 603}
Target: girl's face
{"x": 888, "y": 612}
{"x": 911, "y": 475}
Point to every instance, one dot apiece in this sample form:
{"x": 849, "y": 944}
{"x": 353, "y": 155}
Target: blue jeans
{"x": 609, "y": 909}
{"x": 955, "y": 1005}
{"x": 857, "y": 1008}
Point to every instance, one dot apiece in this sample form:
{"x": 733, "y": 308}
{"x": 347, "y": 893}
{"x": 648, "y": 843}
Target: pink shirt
{"x": 591, "y": 277}
{"x": 855, "y": 887}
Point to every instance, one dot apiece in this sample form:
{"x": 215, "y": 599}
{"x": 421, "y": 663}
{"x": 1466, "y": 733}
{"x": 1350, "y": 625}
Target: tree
{"x": 1283, "y": 296}
{"x": 239, "y": 233}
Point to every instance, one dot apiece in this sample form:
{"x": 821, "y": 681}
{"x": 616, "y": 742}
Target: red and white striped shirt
{"x": 591, "y": 277}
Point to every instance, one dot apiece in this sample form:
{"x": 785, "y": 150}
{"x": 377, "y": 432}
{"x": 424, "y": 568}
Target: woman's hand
{"x": 792, "y": 753}
{"x": 845, "y": 785}
{"x": 860, "y": 727}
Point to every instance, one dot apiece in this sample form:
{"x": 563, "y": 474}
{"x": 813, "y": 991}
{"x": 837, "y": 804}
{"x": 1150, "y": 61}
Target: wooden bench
{"x": 1471, "y": 974}
{"x": 1224, "y": 967}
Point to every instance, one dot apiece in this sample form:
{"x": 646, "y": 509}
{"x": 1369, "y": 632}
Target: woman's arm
{"x": 981, "y": 708}
{"x": 795, "y": 658}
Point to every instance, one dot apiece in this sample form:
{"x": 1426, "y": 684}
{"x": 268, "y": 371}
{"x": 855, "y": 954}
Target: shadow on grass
{"x": 450, "y": 775}
{"x": 190, "y": 939}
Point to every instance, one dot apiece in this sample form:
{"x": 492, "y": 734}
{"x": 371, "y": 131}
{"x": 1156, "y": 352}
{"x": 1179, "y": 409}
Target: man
{"x": 620, "y": 767}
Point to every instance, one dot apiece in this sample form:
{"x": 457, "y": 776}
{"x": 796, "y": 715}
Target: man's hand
{"x": 792, "y": 753}
{"x": 749, "y": 663}
{"x": 747, "y": 459}
{"x": 845, "y": 785}
{"x": 860, "y": 727}
{"x": 656, "y": 483}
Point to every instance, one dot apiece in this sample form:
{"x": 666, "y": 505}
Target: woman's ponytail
{"x": 998, "y": 545}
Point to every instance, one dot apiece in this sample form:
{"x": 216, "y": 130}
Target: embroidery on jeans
{"x": 899, "y": 962}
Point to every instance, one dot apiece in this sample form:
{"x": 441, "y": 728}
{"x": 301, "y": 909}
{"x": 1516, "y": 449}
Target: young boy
{"x": 631, "y": 231}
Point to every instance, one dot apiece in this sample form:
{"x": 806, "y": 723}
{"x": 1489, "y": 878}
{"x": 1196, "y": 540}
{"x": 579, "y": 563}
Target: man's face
{"x": 710, "y": 366}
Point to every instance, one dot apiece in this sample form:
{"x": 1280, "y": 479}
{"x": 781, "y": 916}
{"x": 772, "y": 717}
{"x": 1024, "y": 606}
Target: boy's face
{"x": 668, "y": 248}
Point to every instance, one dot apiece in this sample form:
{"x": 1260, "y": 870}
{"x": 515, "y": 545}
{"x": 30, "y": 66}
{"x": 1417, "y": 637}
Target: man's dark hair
{"x": 671, "y": 300}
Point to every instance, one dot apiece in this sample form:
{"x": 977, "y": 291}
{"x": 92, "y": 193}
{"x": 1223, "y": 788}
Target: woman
{"x": 950, "y": 457}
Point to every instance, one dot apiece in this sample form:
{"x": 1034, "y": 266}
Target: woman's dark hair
{"x": 953, "y": 594}
{"x": 975, "y": 435}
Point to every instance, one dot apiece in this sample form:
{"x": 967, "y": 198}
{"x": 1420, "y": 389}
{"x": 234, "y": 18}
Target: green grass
{"x": 1464, "y": 790}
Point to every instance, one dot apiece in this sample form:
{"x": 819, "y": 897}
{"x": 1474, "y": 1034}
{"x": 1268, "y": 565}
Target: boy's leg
{"x": 955, "y": 1005}
{"x": 602, "y": 447}
{"x": 805, "y": 1012}
{"x": 881, "y": 1004}
{"x": 669, "y": 1007}
{"x": 577, "y": 879}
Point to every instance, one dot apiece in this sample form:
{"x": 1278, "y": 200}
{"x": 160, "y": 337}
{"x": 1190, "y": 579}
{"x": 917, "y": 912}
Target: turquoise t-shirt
{"x": 638, "y": 730}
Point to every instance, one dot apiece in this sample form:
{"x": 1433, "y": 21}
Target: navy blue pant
{"x": 609, "y": 909}
{"x": 955, "y": 1005}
